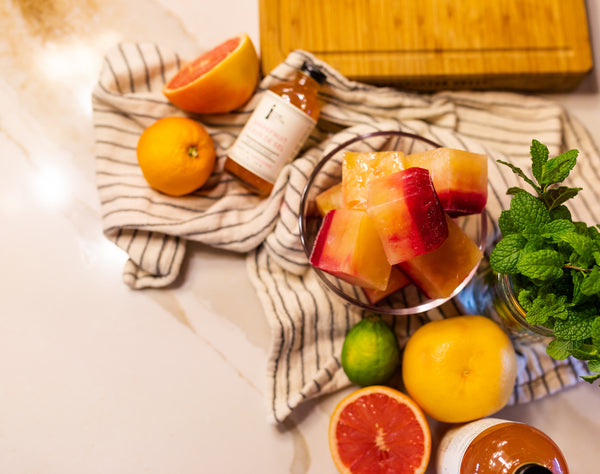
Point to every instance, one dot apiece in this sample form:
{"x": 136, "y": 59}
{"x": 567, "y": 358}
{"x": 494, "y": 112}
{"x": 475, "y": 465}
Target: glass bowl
{"x": 328, "y": 172}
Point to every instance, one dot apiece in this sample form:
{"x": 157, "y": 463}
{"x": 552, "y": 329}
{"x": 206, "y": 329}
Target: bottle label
{"x": 455, "y": 442}
{"x": 272, "y": 137}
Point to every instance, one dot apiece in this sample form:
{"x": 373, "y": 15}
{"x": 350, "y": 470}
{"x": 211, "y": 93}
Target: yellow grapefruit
{"x": 176, "y": 155}
{"x": 379, "y": 429}
{"x": 218, "y": 81}
{"x": 459, "y": 369}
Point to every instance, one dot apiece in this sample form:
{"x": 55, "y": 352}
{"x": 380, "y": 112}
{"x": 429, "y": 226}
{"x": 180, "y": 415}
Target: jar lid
{"x": 314, "y": 71}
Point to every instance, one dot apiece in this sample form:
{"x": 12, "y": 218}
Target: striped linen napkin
{"x": 307, "y": 323}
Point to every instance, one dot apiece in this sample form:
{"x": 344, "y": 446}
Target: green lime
{"x": 370, "y": 354}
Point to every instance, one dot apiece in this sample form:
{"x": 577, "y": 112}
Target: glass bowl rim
{"x": 426, "y": 305}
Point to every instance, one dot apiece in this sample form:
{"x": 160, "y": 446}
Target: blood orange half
{"x": 218, "y": 81}
{"x": 378, "y": 429}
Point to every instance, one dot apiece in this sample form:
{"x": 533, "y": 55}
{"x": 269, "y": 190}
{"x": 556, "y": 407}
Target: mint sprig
{"x": 554, "y": 262}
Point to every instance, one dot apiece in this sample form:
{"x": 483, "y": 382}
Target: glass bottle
{"x": 491, "y": 294}
{"x": 276, "y": 130}
{"x": 495, "y": 446}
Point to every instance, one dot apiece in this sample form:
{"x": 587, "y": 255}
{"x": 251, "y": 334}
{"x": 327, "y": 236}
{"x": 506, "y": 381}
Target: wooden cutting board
{"x": 435, "y": 44}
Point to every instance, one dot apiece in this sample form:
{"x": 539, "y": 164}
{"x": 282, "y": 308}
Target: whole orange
{"x": 218, "y": 81}
{"x": 176, "y": 155}
{"x": 459, "y": 369}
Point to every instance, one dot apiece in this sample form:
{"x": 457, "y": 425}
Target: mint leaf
{"x": 596, "y": 331}
{"x": 582, "y": 247}
{"x": 535, "y": 242}
{"x": 527, "y": 210}
{"x": 505, "y": 255}
{"x": 559, "y": 349}
{"x": 506, "y": 224}
{"x": 560, "y": 212}
{"x": 586, "y": 352}
{"x": 519, "y": 172}
{"x": 539, "y": 155}
{"x": 541, "y": 265}
{"x": 557, "y": 169}
{"x": 590, "y": 378}
{"x": 555, "y": 197}
{"x": 553, "y": 230}
{"x": 514, "y": 190}
{"x": 594, "y": 365}
{"x": 545, "y": 307}
{"x": 577, "y": 327}
{"x": 591, "y": 282}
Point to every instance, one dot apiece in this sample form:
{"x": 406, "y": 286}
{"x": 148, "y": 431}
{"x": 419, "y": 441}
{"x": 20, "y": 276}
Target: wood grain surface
{"x": 435, "y": 44}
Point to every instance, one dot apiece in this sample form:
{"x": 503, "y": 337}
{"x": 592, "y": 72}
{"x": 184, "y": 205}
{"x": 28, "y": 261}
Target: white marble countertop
{"x": 98, "y": 378}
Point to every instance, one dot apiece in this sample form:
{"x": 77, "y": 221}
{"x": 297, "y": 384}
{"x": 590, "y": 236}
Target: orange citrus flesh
{"x": 218, "y": 81}
{"x": 204, "y": 63}
{"x": 378, "y": 429}
{"x": 176, "y": 155}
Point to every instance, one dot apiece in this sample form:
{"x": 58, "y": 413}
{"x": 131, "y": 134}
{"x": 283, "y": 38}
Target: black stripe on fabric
{"x": 116, "y": 145}
{"x": 291, "y": 341}
{"x": 160, "y": 253}
{"x": 332, "y": 331}
{"x": 501, "y": 141}
{"x": 133, "y": 236}
{"x": 279, "y": 350}
{"x": 148, "y": 239}
{"x": 143, "y": 227}
{"x": 542, "y": 371}
{"x": 331, "y": 311}
{"x": 118, "y": 236}
{"x": 519, "y": 127}
{"x": 178, "y": 243}
{"x": 116, "y": 129}
{"x": 205, "y": 215}
{"x": 588, "y": 138}
{"x": 117, "y": 175}
{"x": 131, "y": 97}
{"x": 162, "y": 64}
{"x": 146, "y": 71}
{"x": 286, "y": 258}
{"x": 130, "y": 115}
{"x": 557, "y": 368}
{"x": 529, "y": 381}
{"x": 128, "y": 66}
{"x": 114, "y": 75}
{"x": 301, "y": 325}
{"x": 103, "y": 187}
{"x": 172, "y": 205}
{"x": 473, "y": 104}
{"x": 315, "y": 314}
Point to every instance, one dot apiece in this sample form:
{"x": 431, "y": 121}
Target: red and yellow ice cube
{"x": 440, "y": 272}
{"x": 359, "y": 168}
{"x": 348, "y": 247}
{"x": 460, "y": 178}
{"x": 407, "y": 214}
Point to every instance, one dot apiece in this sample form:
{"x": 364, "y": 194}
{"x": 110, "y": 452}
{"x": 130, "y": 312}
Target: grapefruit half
{"x": 218, "y": 81}
{"x": 379, "y": 429}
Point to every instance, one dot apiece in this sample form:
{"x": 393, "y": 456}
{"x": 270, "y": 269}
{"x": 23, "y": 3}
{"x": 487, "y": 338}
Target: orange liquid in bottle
{"x": 493, "y": 446}
{"x": 302, "y": 93}
{"x": 505, "y": 447}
